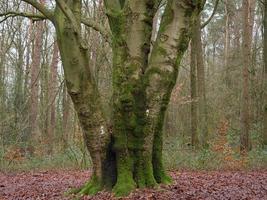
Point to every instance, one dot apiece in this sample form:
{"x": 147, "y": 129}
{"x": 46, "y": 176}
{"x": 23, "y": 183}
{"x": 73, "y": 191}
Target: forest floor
{"x": 186, "y": 185}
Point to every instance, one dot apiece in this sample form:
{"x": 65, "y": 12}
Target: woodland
{"x": 133, "y": 99}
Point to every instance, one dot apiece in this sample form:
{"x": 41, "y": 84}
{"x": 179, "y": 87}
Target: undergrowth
{"x": 71, "y": 158}
{"x": 222, "y": 154}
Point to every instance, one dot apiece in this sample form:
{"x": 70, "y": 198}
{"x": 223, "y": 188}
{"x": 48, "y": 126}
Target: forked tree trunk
{"x": 130, "y": 155}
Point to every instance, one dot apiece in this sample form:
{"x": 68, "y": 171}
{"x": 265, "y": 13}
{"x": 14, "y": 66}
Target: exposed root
{"x": 162, "y": 177}
{"x": 92, "y": 187}
{"x": 124, "y": 186}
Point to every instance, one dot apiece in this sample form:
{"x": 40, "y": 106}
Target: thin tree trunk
{"x": 201, "y": 86}
{"x": 66, "y": 117}
{"x": 52, "y": 91}
{"x": 264, "y": 134}
{"x": 245, "y": 121}
{"x": 172, "y": 41}
{"x": 34, "y": 83}
{"x": 193, "y": 89}
{"x": 227, "y": 45}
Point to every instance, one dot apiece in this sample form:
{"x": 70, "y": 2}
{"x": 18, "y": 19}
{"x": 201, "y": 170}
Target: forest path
{"x": 187, "y": 185}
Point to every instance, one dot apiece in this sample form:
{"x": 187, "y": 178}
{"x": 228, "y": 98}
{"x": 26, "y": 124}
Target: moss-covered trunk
{"x": 142, "y": 84}
{"x": 86, "y": 99}
{"x": 131, "y": 26}
{"x": 130, "y": 156}
{"x": 161, "y": 74}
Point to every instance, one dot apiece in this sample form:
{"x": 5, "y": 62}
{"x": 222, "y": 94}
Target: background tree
{"x": 265, "y": 76}
{"x": 246, "y": 44}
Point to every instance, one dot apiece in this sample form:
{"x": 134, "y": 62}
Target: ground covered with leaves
{"x": 186, "y": 185}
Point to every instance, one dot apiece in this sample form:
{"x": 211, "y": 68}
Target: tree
{"x": 227, "y": 41}
{"x": 201, "y": 86}
{"x": 127, "y": 153}
{"x": 264, "y": 135}
{"x": 193, "y": 88}
{"x": 52, "y": 92}
{"x": 34, "y": 81}
{"x": 197, "y": 83}
{"x": 246, "y": 52}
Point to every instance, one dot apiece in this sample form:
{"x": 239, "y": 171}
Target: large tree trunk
{"x": 66, "y": 118}
{"x": 85, "y": 96}
{"x": 227, "y": 77}
{"x": 161, "y": 74}
{"x": 130, "y": 155}
{"x": 133, "y": 146}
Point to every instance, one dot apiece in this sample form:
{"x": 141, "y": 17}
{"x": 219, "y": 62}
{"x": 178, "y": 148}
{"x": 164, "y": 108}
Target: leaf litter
{"x": 187, "y": 185}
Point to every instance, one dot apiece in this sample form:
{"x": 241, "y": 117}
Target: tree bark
{"x": 193, "y": 90}
{"x": 201, "y": 104}
{"x": 34, "y": 81}
{"x": 161, "y": 74}
{"x": 127, "y": 154}
{"x": 52, "y": 92}
{"x": 245, "y": 121}
{"x": 66, "y": 118}
{"x": 85, "y": 96}
{"x": 264, "y": 134}
{"x": 227, "y": 77}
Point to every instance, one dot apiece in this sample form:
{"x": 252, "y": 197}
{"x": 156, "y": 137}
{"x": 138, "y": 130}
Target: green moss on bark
{"x": 143, "y": 172}
{"x": 125, "y": 182}
{"x": 92, "y": 187}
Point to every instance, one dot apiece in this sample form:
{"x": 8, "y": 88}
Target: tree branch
{"x": 69, "y": 14}
{"x": 41, "y": 8}
{"x": 212, "y": 15}
{"x": 92, "y": 24}
{"x": 32, "y": 16}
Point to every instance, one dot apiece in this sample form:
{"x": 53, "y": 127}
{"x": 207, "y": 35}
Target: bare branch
{"x": 32, "y": 16}
{"x": 212, "y": 15}
{"x": 92, "y": 24}
{"x": 41, "y": 8}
